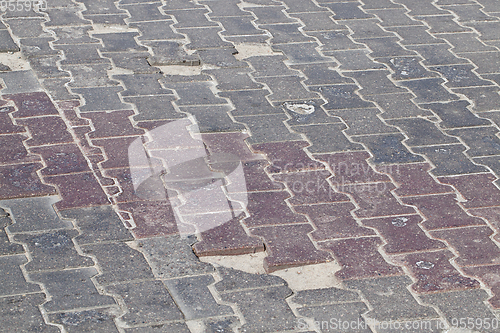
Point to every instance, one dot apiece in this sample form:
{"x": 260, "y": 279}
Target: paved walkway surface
{"x": 137, "y": 136}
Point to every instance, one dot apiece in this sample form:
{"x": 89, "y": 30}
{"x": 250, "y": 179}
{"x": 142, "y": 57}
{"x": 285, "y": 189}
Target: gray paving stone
{"x": 354, "y": 60}
{"x": 460, "y": 76}
{"x": 482, "y": 141}
{"x": 235, "y": 280}
{"x": 415, "y": 35}
{"x": 156, "y": 30}
{"x": 374, "y": 82}
{"x": 425, "y": 8}
{"x": 363, "y": 121}
{"x": 175, "y": 4}
{"x": 7, "y": 44}
{"x": 192, "y": 18}
{"x": 20, "y": 82}
{"x": 142, "y": 84}
{"x": 393, "y": 17}
{"x": 14, "y": 282}
{"x": 492, "y": 162}
{"x": 285, "y": 33}
{"x": 449, "y": 160}
{"x": 214, "y": 118}
{"x": 390, "y": 299}
{"x": 57, "y": 90}
{"x": 233, "y": 79}
{"x": 466, "y": 42}
{"x": 301, "y": 53}
{"x": 321, "y": 74}
{"x": 328, "y": 138}
{"x": 65, "y": 17}
{"x": 140, "y": 12}
{"x": 347, "y": 10}
{"x": 222, "y": 58}
{"x": 147, "y": 302}
{"x": 100, "y": 320}
{"x": 317, "y": 117}
{"x": 268, "y": 128}
{"x": 437, "y": 55}
{"x": 250, "y": 102}
{"x": 112, "y": 19}
{"x": 483, "y": 98}
{"x": 194, "y": 298}
{"x": 227, "y": 324}
{"x": 287, "y": 88}
{"x": 342, "y": 97}
{"x": 239, "y": 26}
{"x": 380, "y": 4}
{"x": 160, "y": 328}
{"x": 317, "y": 21}
{"x": 101, "y": 99}
{"x": 204, "y": 38}
{"x": 114, "y": 268}
{"x": 171, "y": 257}
{"x": 331, "y": 318}
{"x": 71, "y": 289}
{"x": 388, "y": 148}
{"x": 487, "y": 30}
{"x": 469, "y": 13}
{"x": 170, "y": 53}
{"x": 29, "y": 27}
{"x": 193, "y": 93}
{"x": 100, "y": 7}
{"x": 270, "y": 15}
{"x": 301, "y": 6}
{"x": 134, "y": 61}
{"x": 422, "y": 132}
{"x": 407, "y": 68}
{"x": 6, "y": 247}
{"x": 34, "y": 214}
{"x": 385, "y": 47}
{"x": 324, "y": 296}
{"x": 53, "y": 250}
{"x": 36, "y": 47}
{"x": 429, "y": 90}
{"x": 120, "y": 42}
{"x": 455, "y": 114}
{"x": 154, "y": 107}
{"x": 81, "y": 54}
{"x": 46, "y": 67}
{"x": 443, "y": 24}
{"x": 20, "y": 314}
{"x": 272, "y": 65}
{"x": 336, "y": 40}
{"x": 486, "y": 62}
{"x": 97, "y": 224}
{"x": 90, "y": 75}
{"x": 368, "y": 29}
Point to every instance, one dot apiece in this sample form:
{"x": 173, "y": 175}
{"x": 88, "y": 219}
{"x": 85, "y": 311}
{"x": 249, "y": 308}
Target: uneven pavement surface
{"x": 147, "y": 145}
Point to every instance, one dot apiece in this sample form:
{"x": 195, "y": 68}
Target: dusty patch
{"x": 15, "y": 61}
{"x": 247, "y": 50}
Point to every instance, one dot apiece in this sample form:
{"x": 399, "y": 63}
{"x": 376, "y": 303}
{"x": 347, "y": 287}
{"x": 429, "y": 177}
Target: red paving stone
{"x": 403, "y": 234}
{"x": 13, "y": 151}
{"x": 21, "y": 180}
{"x": 6, "y": 124}
{"x": 333, "y": 221}
{"x": 351, "y": 167}
{"x": 62, "y": 159}
{"x": 295, "y": 249}
{"x": 46, "y": 130}
{"x": 359, "y": 258}
{"x": 32, "y": 104}
{"x": 287, "y": 156}
{"x": 257, "y": 179}
{"x": 490, "y": 276}
{"x": 310, "y": 187}
{"x": 478, "y": 189}
{"x": 434, "y": 272}
{"x": 473, "y": 245}
{"x": 117, "y": 151}
{"x": 230, "y": 143}
{"x": 78, "y": 190}
{"x": 228, "y": 238}
{"x": 82, "y": 140}
{"x": 111, "y": 124}
{"x": 492, "y": 215}
{"x": 414, "y": 179}
{"x": 69, "y": 110}
{"x": 442, "y": 211}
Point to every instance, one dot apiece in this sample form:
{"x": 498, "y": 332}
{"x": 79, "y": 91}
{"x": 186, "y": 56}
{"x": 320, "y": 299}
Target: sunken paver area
{"x": 138, "y": 136}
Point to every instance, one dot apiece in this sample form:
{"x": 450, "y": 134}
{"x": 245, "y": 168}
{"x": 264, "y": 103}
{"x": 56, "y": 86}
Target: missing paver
{"x": 247, "y": 50}
{"x": 15, "y": 61}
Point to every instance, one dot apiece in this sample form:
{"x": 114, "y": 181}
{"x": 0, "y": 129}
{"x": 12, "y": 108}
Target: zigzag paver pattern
{"x": 394, "y": 175}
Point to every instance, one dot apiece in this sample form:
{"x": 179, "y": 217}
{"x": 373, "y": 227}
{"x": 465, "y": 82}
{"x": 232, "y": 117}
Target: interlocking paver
{"x": 21, "y": 180}
{"x": 14, "y": 282}
{"x": 21, "y": 313}
{"x": 85, "y": 321}
{"x": 478, "y": 190}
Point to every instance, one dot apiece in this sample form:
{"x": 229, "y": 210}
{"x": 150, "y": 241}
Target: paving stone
{"x": 89, "y": 75}
{"x": 469, "y": 13}
{"x": 53, "y": 251}
{"x": 403, "y": 234}
{"x": 268, "y": 128}
{"x": 296, "y": 250}
{"x": 385, "y": 47}
{"x": 491, "y": 214}
{"x": 194, "y": 298}
{"x": 143, "y": 11}
{"x": 354, "y": 60}
{"x": 414, "y": 127}
{"x": 6, "y": 247}
{"x": 71, "y": 289}
{"x": 179, "y": 4}
{"x": 238, "y": 26}
{"x": 461, "y": 304}
{"x": 393, "y": 17}
{"x": 328, "y": 138}
{"x": 262, "y": 307}
{"x": 21, "y": 180}
{"x": 233, "y": 79}
{"x": 46, "y": 67}
{"x": 154, "y": 107}
{"x": 61, "y": 159}
{"x": 485, "y": 62}
{"x": 442, "y": 211}
{"x": 434, "y": 272}
{"x": 359, "y": 258}
{"x": 287, "y": 156}
{"x": 473, "y": 245}
{"x": 170, "y": 53}
{"x": 221, "y": 57}
{"x": 349, "y": 313}
{"x": 102, "y": 98}
{"x": 13, "y": 280}
{"x": 374, "y": 82}
{"x": 46, "y": 130}
{"x": 301, "y": 53}
{"x": 390, "y": 299}
{"x": 444, "y": 24}
{"x": 27, "y": 27}
{"x": 270, "y": 15}
{"x": 100, "y": 320}
{"x": 460, "y": 76}
{"x": 134, "y": 61}
{"x": 363, "y": 121}
{"x": 250, "y": 102}
{"x": 111, "y": 124}
{"x": 194, "y": 93}
{"x": 21, "y": 314}
{"x": 483, "y": 98}
{"x": 12, "y": 150}
{"x": 388, "y": 148}
{"x": 485, "y": 195}
{"x": 156, "y": 30}
{"x": 98, "y": 224}
{"x": 398, "y": 106}
{"x": 81, "y": 54}
{"x": 142, "y": 84}
{"x": 407, "y": 68}
{"x": 65, "y": 16}
{"x": 333, "y": 221}
{"x": 488, "y": 275}
{"x": 341, "y": 97}
{"x": 271, "y": 65}
{"x": 37, "y": 47}
{"x": 234, "y": 280}
{"x": 414, "y": 179}
{"x": 321, "y": 74}
{"x": 310, "y": 188}
{"x": 147, "y": 302}
{"x": 161, "y": 328}
{"x": 7, "y": 44}
{"x": 78, "y": 190}
{"x": 429, "y": 90}
{"x": 465, "y": 42}
{"x": 415, "y": 35}
{"x": 316, "y": 20}
{"x": 338, "y": 40}
{"x": 295, "y": 111}
{"x": 347, "y": 11}
{"x": 285, "y": 33}
{"x": 192, "y": 18}
{"x": 32, "y": 104}
{"x": 483, "y": 141}
{"x": 204, "y": 38}
{"x": 287, "y": 88}
{"x": 6, "y": 124}
{"x": 57, "y": 89}
{"x": 301, "y": 7}
{"x": 114, "y": 269}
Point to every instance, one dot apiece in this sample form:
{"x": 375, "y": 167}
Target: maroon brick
{"x": 230, "y": 143}
{"x": 152, "y": 124}
{"x": 153, "y": 218}
{"x": 228, "y": 238}
{"x": 112, "y": 124}
{"x": 6, "y": 124}
{"x": 360, "y": 258}
{"x": 492, "y": 214}
{"x": 117, "y": 151}
{"x": 257, "y": 179}
{"x": 62, "y": 159}
{"x": 403, "y": 234}
{"x": 288, "y": 156}
{"x": 375, "y": 200}
{"x": 78, "y": 190}
{"x": 434, "y": 272}
{"x": 351, "y": 167}
{"x": 333, "y": 221}
{"x": 268, "y": 208}
{"x": 414, "y": 179}
{"x": 473, "y": 244}
{"x": 310, "y": 187}
{"x": 81, "y": 139}
{"x": 32, "y": 104}
{"x": 46, "y": 130}
{"x": 69, "y": 110}
{"x": 289, "y": 246}
{"x": 490, "y": 276}
{"x": 13, "y": 151}
{"x": 442, "y": 211}
{"x": 21, "y": 180}
{"x": 478, "y": 189}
